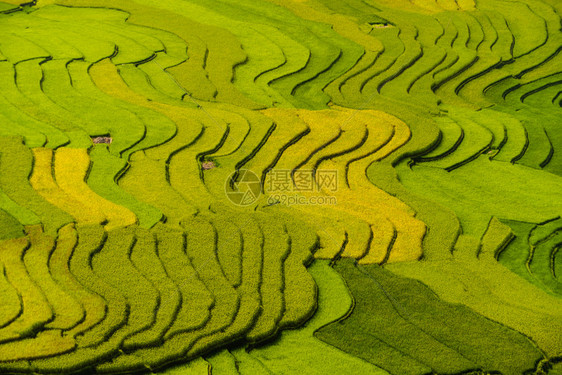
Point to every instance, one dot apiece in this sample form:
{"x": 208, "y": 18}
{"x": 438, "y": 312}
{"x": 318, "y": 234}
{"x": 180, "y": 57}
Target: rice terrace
{"x": 248, "y": 187}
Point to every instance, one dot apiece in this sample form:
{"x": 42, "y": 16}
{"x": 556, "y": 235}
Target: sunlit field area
{"x": 248, "y": 187}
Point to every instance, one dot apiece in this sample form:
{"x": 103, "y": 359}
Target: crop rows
{"x": 210, "y": 186}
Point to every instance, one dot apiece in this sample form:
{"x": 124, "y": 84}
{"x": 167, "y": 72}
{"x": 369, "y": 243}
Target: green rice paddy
{"x": 281, "y": 187}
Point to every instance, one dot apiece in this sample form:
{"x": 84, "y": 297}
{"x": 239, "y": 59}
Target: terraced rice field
{"x": 281, "y": 187}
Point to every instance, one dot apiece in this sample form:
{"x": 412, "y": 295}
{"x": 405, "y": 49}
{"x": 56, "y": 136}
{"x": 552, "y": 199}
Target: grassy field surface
{"x": 280, "y": 187}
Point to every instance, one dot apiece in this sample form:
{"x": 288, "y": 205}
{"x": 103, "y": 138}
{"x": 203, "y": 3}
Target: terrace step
{"x": 67, "y": 313}
{"x": 16, "y": 162}
{"x": 43, "y": 181}
{"x": 35, "y": 308}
